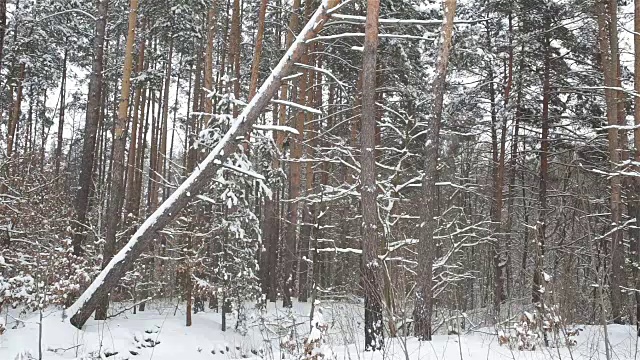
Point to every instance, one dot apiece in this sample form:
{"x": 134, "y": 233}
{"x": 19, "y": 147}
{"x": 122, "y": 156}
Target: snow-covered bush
{"x": 53, "y": 277}
{"x": 316, "y": 346}
{"x": 538, "y": 328}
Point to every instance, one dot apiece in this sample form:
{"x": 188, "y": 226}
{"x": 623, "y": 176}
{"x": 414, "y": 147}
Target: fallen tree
{"x": 113, "y": 272}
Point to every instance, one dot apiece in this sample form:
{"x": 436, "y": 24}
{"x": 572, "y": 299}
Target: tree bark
{"x": 269, "y": 205}
{"x": 165, "y": 129}
{"x": 3, "y": 27}
{"x": 208, "y": 64}
{"x": 498, "y": 153}
{"x": 307, "y": 207}
{"x": 284, "y": 91}
{"x": 257, "y": 53}
{"x": 543, "y": 210}
{"x": 12, "y": 126}
{"x": 371, "y": 269}
{"x": 91, "y": 127}
{"x": 236, "y": 42}
{"x": 116, "y": 198}
{"x": 15, "y": 115}
{"x": 136, "y": 131}
{"x": 607, "y": 37}
{"x": 423, "y": 311}
{"x": 289, "y": 251}
{"x": 636, "y": 140}
{"x": 109, "y": 277}
{"x": 63, "y": 91}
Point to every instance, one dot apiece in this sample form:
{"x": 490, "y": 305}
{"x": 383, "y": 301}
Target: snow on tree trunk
{"x": 111, "y": 274}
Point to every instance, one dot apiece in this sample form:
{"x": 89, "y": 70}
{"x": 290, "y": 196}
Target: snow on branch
{"x": 405, "y": 21}
{"x": 249, "y": 173}
{"x": 324, "y": 71}
{"x": 349, "y": 34}
{"x": 276, "y": 128}
{"x": 296, "y": 105}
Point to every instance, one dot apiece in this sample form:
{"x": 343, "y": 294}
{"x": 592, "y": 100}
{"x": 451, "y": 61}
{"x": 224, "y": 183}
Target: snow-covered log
{"x": 82, "y": 309}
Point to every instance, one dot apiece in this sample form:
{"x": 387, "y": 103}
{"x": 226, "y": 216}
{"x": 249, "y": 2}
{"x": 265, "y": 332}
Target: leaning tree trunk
{"x": 371, "y": 269}
{"x": 113, "y": 272}
{"x": 423, "y": 311}
{"x": 90, "y": 129}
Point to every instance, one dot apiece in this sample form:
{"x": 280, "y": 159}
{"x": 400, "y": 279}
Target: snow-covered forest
{"x": 319, "y": 179}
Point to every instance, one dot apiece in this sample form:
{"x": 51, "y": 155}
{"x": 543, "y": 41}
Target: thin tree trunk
{"x": 423, "y": 311}
{"x": 306, "y": 229}
{"x": 91, "y": 126}
{"x": 541, "y": 227}
{"x": 289, "y": 252}
{"x": 63, "y": 90}
{"x": 236, "y": 34}
{"x": 371, "y": 269}
{"x": 175, "y": 118}
{"x": 257, "y": 53}
{"x": 114, "y": 208}
{"x": 269, "y": 206}
{"x": 165, "y": 129}
{"x": 14, "y": 117}
{"x": 132, "y": 160}
{"x": 16, "y": 111}
{"x": 636, "y": 139}
{"x": 284, "y": 91}
{"x": 498, "y": 152}
{"x": 3, "y": 27}
{"x": 609, "y": 58}
{"x": 142, "y": 146}
{"x": 208, "y": 66}
{"x": 26, "y": 147}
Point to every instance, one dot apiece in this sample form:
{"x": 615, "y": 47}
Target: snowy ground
{"x": 158, "y": 334}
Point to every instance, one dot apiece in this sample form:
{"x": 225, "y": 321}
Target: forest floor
{"x": 159, "y": 334}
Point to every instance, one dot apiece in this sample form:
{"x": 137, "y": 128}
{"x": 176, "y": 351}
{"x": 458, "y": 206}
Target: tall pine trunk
{"x": 3, "y": 27}
{"x": 289, "y": 250}
{"x": 136, "y": 129}
{"x": 543, "y": 207}
{"x": 371, "y": 269}
{"x": 90, "y": 129}
{"x": 423, "y": 312}
{"x": 607, "y": 34}
{"x": 635, "y": 204}
{"x": 116, "y": 196}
